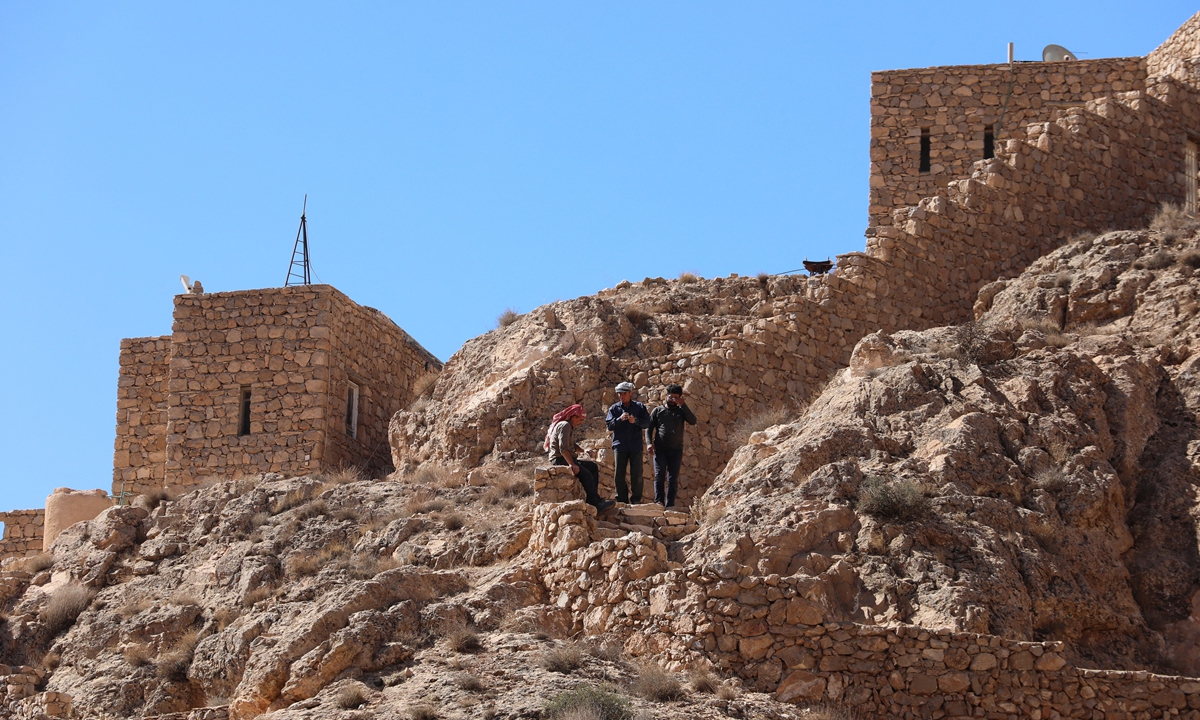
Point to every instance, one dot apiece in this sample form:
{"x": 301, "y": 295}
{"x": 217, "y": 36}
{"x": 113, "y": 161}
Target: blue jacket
{"x": 627, "y": 436}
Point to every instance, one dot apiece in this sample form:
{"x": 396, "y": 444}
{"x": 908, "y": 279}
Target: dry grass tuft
{"x": 346, "y": 474}
{"x": 463, "y": 640}
{"x": 564, "y": 658}
{"x": 64, "y": 607}
{"x": 365, "y": 567}
{"x": 654, "y": 683}
{"x": 303, "y": 564}
{"x": 469, "y": 682}
{"x": 1190, "y": 259}
{"x": 740, "y": 433}
{"x": 638, "y": 316}
{"x": 508, "y": 317}
{"x": 152, "y": 499}
{"x": 424, "y": 501}
{"x": 184, "y": 599}
{"x": 828, "y": 712}
{"x": 587, "y": 703}
{"x": 687, "y": 277}
{"x": 1050, "y": 480}
{"x": 727, "y": 692}
{"x": 313, "y": 509}
{"x": 36, "y": 563}
{"x": 508, "y": 485}
{"x": 422, "y": 712}
{"x": 764, "y": 280}
{"x": 703, "y": 681}
{"x": 353, "y": 696}
{"x": 225, "y": 616}
{"x": 453, "y": 521}
{"x": 707, "y": 511}
{"x": 1050, "y": 330}
{"x": 1173, "y": 220}
{"x": 294, "y": 498}
{"x": 138, "y": 655}
{"x": 134, "y": 607}
{"x": 173, "y": 665}
{"x": 1160, "y": 260}
{"x": 257, "y": 595}
{"x": 902, "y": 500}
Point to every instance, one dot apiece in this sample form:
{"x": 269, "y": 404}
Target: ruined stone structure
{"x": 289, "y": 380}
{"x": 22, "y": 533}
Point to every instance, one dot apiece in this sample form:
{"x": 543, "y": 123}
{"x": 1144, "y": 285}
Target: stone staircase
{"x": 555, "y": 484}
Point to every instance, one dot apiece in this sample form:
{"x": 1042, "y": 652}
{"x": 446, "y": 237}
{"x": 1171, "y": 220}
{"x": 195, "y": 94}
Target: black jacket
{"x": 667, "y": 424}
{"x": 627, "y": 437}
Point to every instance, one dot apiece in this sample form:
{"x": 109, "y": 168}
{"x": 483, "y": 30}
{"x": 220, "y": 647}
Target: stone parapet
{"x": 555, "y": 484}
{"x": 22, "y": 533}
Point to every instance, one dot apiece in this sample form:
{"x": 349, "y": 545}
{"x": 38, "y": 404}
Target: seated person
{"x": 562, "y": 450}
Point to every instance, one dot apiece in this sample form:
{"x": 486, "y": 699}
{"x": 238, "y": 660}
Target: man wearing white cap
{"x": 626, "y": 419}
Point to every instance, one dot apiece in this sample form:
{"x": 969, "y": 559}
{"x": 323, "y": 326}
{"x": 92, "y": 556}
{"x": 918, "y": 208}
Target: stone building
{"x": 289, "y": 380}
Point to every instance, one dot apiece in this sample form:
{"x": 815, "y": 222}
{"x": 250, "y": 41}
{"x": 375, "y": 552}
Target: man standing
{"x": 665, "y": 440}
{"x": 626, "y": 420}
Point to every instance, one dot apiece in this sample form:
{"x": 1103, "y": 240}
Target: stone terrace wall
{"x": 778, "y": 635}
{"x": 276, "y": 341}
{"x": 957, "y": 104}
{"x": 384, "y": 361}
{"x": 1178, "y": 54}
{"x": 140, "y": 449}
{"x": 22, "y": 533}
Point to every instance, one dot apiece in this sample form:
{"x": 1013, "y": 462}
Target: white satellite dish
{"x": 1057, "y": 53}
{"x": 187, "y": 283}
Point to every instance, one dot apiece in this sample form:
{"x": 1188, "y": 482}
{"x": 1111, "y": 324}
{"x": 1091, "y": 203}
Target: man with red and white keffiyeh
{"x": 561, "y": 449}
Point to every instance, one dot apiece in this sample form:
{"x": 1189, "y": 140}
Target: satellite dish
{"x": 1057, "y": 53}
{"x": 187, "y": 283}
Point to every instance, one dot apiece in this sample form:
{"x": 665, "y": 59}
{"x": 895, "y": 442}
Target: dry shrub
{"x": 225, "y": 616}
{"x": 587, "y": 703}
{"x": 829, "y": 712}
{"x": 453, "y": 521}
{"x": 707, "y": 511}
{"x": 761, "y": 420}
{"x": 302, "y": 564}
{"x": 346, "y": 515}
{"x": 423, "y": 386}
{"x": 1050, "y": 480}
{"x": 610, "y": 651}
{"x": 1081, "y": 238}
{"x": 463, "y": 640}
{"x": 1190, "y": 259}
{"x": 1050, "y": 330}
{"x": 313, "y": 509}
{"x": 1160, "y": 260}
{"x": 134, "y": 607}
{"x": 1064, "y": 279}
{"x": 764, "y": 280}
{"x": 654, "y": 683}
{"x": 508, "y": 317}
{"x": 508, "y": 485}
{"x": 902, "y": 500}
{"x": 353, "y": 696}
{"x": 469, "y": 682}
{"x": 66, "y": 604}
{"x": 702, "y": 680}
{"x": 638, "y": 316}
{"x": 422, "y": 712}
{"x": 36, "y": 563}
{"x": 432, "y": 475}
{"x": 687, "y": 277}
{"x": 184, "y": 599}
{"x": 173, "y": 664}
{"x": 365, "y": 567}
{"x": 294, "y": 498}
{"x": 424, "y": 501}
{"x": 345, "y": 474}
{"x": 563, "y": 658}
{"x": 152, "y": 499}
{"x": 138, "y": 655}
{"x": 1173, "y": 220}
{"x": 727, "y": 692}
{"x": 257, "y": 595}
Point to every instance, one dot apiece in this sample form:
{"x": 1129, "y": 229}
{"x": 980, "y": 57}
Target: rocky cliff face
{"x": 1031, "y": 475}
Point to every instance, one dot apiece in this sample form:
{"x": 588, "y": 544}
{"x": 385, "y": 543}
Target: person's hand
{"x": 650, "y": 450}
{"x": 630, "y": 418}
{"x": 574, "y": 469}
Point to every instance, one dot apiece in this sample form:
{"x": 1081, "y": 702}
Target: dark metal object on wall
{"x": 299, "y": 271}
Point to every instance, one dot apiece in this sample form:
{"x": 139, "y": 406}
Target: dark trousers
{"x": 666, "y": 474}
{"x": 633, "y": 493}
{"x": 589, "y": 478}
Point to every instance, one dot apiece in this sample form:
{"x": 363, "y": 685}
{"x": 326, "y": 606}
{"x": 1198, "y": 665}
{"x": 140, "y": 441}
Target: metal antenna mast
{"x": 300, "y": 271}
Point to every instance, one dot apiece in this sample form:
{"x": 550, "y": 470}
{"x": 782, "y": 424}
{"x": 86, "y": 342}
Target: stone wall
{"x": 780, "y": 635}
{"x": 140, "y": 449}
{"x": 956, "y": 105}
{"x": 372, "y": 351}
{"x": 295, "y": 349}
{"x": 22, "y": 533}
{"x": 1178, "y": 54}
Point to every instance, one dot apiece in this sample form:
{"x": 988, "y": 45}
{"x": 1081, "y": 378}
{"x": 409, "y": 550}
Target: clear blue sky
{"x": 459, "y": 158}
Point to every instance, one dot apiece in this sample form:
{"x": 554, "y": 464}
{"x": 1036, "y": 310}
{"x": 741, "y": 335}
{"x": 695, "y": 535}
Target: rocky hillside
{"x": 1032, "y": 475}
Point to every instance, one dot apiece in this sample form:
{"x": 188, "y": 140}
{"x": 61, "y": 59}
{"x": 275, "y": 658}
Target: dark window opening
{"x": 352, "y": 411}
{"x": 989, "y": 142}
{"x": 925, "y": 164}
{"x": 244, "y": 412}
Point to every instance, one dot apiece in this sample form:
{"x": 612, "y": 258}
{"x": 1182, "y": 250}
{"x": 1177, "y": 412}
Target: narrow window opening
{"x": 244, "y": 411}
{"x": 1192, "y": 168}
{"x": 352, "y": 411}
{"x": 925, "y": 164}
{"x": 989, "y": 142}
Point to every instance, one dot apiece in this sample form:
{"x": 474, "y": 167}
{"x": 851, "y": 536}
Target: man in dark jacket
{"x": 626, "y": 419}
{"x": 665, "y": 440}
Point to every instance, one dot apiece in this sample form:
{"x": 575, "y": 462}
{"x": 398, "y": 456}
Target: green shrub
{"x": 902, "y": 500}
{"x": 601, "y": 704}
